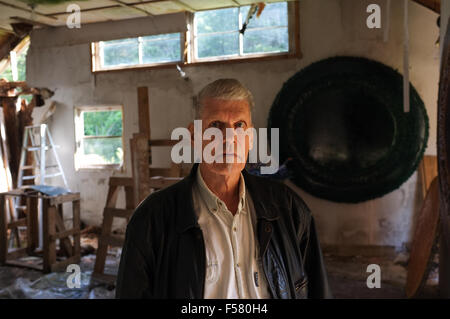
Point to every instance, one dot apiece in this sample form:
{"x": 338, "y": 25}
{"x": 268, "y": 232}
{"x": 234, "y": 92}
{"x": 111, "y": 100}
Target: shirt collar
{"x": 213, "y": 202}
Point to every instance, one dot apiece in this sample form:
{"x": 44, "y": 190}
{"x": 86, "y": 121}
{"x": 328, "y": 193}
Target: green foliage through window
{"x": 159, "y": 48}
{"x": 217, "y": 31}
{"x": 102, "y": 137}
{"x": 102, "y": 123}
{"x": 21, "y": 68}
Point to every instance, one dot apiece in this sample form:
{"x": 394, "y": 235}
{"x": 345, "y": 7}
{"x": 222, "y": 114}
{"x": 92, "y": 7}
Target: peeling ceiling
{"x": 52, "y": 13}
{"x": 49, "y": 13}
{"x": 101, "y": 10}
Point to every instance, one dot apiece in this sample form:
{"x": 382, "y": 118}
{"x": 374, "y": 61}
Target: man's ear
{"x": 191, "y": 131}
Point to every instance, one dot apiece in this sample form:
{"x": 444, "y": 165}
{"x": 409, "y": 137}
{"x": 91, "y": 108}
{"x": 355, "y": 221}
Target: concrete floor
{"x": 347, "y": 277}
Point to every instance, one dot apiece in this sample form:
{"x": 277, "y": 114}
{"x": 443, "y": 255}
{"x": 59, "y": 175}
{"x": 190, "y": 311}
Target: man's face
{"x": 231, "y": 114}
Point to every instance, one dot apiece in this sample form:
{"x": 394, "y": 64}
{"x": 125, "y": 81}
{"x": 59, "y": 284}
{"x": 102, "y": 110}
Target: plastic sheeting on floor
{"x": 20, "y": 283}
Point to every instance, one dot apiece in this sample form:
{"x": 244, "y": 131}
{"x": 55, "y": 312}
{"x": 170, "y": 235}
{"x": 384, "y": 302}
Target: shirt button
{"x": 237, "y": 265}
{"x": 234, "y": 228}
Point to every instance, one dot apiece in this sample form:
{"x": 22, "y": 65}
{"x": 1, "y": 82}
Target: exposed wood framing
{"x": 12, "y": 133}
{"x": 428, "y": 171}
{"x": 109, "y": 213}
{"x": 10, "y": 5}
{"x": 434, "y": 5}
{"x": 184, "y": 5}
{"x": 139, "y": 163}
{"x": 144, "y": 111}
{"x": 15, "y": 122}
{"x": 11, "y": 40}
{"x": 127, "y": 5}
{"x": 131, "y": 4}
{"x": 32, "y": 22}
{"x": 7, "y": 90}
{"x": 15, "y": 41}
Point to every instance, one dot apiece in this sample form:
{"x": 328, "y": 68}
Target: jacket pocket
{"x": 301, "y": 288}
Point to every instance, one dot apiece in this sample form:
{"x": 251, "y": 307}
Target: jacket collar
{"x": 262, "y": 198}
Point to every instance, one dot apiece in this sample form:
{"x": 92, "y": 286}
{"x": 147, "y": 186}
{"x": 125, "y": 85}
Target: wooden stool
{"x": 53, "y": 229}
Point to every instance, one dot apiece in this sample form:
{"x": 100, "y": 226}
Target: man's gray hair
{"x": 226, "y": 89}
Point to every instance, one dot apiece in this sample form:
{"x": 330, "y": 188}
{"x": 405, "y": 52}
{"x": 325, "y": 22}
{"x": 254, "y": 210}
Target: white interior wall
{"x": 327, "y": 28}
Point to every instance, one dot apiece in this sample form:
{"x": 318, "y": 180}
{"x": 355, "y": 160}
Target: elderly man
{"x": 221, "y": 232}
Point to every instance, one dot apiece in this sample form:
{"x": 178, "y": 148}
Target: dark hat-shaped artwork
{"x": 342, "y": 122}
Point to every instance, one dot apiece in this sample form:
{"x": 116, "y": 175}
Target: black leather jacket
{"x": 164, "y": 254}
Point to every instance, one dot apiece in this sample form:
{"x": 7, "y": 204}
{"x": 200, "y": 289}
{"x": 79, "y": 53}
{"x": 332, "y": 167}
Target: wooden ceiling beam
{"x": 32, "y": 22}
{"x": 5, "y": 4}
{"x": 184, "y": 5}
{"x": 108, "y": 7}
{"x": 8, "y": 45}
{"x": 130, "y": 6}
{"x": 6, "y": 31}
{"x": 434, "y": 5}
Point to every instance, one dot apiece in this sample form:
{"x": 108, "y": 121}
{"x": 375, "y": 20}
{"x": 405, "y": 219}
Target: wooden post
{"x": 428, "y": 169}
{"x": 76, "y": 225}
{"x": 102, "y": 248}
{"x": 65, "y": 244}
{"x": 129, "y": 199}
{"x": 139, "y": 158}
{"x": 49, "y": 212}
{"x": 143, "y": 111}
{"x": 12, "y": 136}
{"x": 144, "y": 117}
{"x": 3, "y": 231}
{"x": 32, "y": 225}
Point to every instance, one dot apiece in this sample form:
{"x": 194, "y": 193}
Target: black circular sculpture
{"x": 342, "y": 122}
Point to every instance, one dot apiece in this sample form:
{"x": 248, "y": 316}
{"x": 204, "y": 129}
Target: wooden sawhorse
{"x": 53, "y": 229}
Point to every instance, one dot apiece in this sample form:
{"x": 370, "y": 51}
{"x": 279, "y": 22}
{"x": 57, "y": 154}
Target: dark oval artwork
{"x": 342, "y": 123}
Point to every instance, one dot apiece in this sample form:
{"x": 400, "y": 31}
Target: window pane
{"x": 102, "y": 151}
{"x": 118, "y": 41}
{"x": 165, "y": 50}
{"x": 21, "y": 68}
{"x": 121, "y": 52}
{"x": 102, "y": 123}
{"x": 218, "y": 45}
{"x": 217, "y": 20}
{"x": 261, "y": 41}
{"x": 274, "y": 14}
{"x": 162, "y": 36}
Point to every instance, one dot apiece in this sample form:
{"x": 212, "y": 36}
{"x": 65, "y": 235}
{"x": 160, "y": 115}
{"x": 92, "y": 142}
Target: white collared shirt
{"x": 233, "y": 265}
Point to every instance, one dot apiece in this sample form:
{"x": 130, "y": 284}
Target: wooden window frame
{"x": 96, "y": 58}
{"x": 291, "y": 8}
{"x": 79, "y": 136}
{"x": 187, "y": 48}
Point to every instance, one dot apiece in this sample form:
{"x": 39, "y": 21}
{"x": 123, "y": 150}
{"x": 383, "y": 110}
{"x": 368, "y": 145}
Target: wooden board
{"x": 424, "y": 240}
{"x": 443, "y": 138}
{"x": 144, "y": 111}
{"x": 428, "y": 171}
